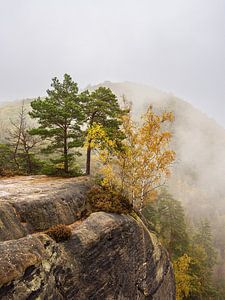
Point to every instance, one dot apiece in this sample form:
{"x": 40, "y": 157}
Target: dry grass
{"x": 103, "y": 199}
{"x": 59, "y": 233}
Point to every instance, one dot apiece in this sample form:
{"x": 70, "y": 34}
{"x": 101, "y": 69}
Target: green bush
{"x": 103, "y": 199}
{"x": 51, "y": 169}
{"x": 59, "y": 233}
{"x": 33, "y": 166}
{"x": 7, "y": 164}
{"x": 23, "y": 165}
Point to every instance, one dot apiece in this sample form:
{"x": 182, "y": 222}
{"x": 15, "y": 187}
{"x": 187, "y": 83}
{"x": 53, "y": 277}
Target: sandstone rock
{"x": 29, "y": 204}
{"x": 10, "y": 225}
{"x": 109, "y": 256}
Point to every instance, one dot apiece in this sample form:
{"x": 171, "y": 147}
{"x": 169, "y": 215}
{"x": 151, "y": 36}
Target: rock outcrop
{"x": 35, "y": 203}
{"x": 109, "y": 256}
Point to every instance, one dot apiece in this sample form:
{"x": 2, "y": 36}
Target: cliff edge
{"x": 108, "y": 256}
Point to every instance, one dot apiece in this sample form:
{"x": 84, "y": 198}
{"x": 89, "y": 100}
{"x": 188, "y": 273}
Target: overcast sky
{"x": 174, "y": 45}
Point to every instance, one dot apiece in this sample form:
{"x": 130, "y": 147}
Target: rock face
{"x": 35, "y": 203}
{"x": 109, "y": 256}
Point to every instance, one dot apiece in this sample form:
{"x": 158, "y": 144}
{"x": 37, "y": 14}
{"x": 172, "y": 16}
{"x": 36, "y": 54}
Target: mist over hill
{"x": 199, "y": 171}
{"x": 198, "y": 174}
{"x": 198, "y": 140}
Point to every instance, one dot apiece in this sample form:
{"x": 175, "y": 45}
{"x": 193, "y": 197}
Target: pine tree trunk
{"x": 65, "y": 153}
{"x": 88, "y": 161}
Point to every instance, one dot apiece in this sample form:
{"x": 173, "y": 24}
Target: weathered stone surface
{"x": 18, "y": 255}
{"x": 27, "y": 268}
{"x": 108, "y": 257}
{"x": 10, "y": 225}
{"x": 39, "y": 203}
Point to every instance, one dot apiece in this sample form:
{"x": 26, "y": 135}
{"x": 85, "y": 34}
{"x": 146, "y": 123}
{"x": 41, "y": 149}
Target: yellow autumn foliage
{"x": 185, "y": 282}
{"x": 142, "y": 162}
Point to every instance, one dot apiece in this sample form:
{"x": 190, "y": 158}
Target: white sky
{"x": 174, "y": 45}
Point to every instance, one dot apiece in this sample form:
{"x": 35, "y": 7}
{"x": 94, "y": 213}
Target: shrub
{"x": 59, "y": 233}
{"x": 29, "y": 165}
{"x": 7, "y": 164}
{"x": 52, "y": 170}
{"x": 103, "y": 199}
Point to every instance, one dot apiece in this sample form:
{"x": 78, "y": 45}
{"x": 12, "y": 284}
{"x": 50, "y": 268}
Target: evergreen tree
{"x": 60, "y": 117}
{"x": 203, "y": 238}
{"x": 167, "y": 217}
{"x": 191, "y": 251}
{"x": 102, "y": 108}
{"x": 203, "y": 260}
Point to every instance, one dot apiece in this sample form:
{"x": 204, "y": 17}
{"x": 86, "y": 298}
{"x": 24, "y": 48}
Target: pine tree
{"x": 102, "y": 108}
{"x": 203, "y": 260}
{"x": 60, "y": 116}
{"x": 167, "y": 217}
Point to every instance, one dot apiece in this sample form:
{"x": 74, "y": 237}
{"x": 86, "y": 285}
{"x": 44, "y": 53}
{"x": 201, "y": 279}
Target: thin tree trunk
{"x": 19, "y": 135}
{"x": 65, "y": 153}
{"x": 27, "y": 154}
{"x": 88, "y": 161}
{"x": 88, "y": 158}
